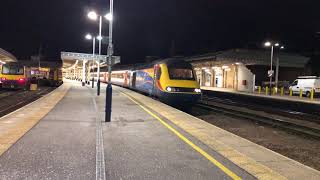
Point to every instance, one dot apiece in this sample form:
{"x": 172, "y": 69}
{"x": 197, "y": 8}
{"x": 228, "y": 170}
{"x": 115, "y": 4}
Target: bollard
{"x": 312, "y": 94}
{"x": 267, "y": 90}
{"x": 259, "y": 89}
{"x": 290, "y": 92}
{"x": 300, "y": 95}
{"x": 273, "y": 91}
{"x": 92, "y": 82}
{"x": 281, "y": 91}
{"x": 98, "y": 87}
{"x": 108, "y": 103}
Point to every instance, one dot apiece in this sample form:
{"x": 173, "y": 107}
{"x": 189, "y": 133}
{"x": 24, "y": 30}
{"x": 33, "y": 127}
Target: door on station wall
{"x": 207, "y": 78}
{"x": 198, "y": 74}
{"x": 219, "y": 78}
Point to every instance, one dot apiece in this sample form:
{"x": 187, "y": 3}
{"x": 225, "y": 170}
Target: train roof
{"x": 119, "y": 67}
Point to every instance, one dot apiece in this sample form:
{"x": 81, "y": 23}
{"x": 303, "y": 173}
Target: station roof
{"x": 71, "y": 59}
{"x": 5, "y": 56}
{"x": 249, "y": 57}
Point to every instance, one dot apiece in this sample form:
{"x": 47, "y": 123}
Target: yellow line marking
{"x": 186, "y": 140}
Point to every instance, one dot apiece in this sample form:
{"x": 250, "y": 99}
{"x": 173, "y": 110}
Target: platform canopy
{"x": 6, "y": 57}
{"x": 249, "y": 57}
{"x": 71, "y": 59}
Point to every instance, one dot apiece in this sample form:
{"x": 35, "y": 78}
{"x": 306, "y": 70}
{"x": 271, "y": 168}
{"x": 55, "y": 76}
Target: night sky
{"x": 148, "y": 27}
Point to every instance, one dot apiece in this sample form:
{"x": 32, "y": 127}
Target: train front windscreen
{"x": 181, "y": 71}
{"x": 12, "y": 69}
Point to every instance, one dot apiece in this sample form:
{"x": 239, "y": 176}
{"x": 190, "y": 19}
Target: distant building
{"x": 243, "y": 69}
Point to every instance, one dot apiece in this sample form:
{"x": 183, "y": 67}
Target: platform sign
{"x": 270, "y": 73}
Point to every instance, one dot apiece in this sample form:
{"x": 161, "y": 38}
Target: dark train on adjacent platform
{"x": 173, "y": 81}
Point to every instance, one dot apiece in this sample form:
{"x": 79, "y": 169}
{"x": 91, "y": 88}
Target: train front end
{"x": 12, "y": 76}
{"x": 176, "y": 83}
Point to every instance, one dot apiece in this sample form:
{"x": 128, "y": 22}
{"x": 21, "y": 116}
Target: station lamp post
{"x": 89, "y": 37}
{"x": 110, "y": 52}
{"x": 272, "y": 45}
{"x": 94, "y": 16}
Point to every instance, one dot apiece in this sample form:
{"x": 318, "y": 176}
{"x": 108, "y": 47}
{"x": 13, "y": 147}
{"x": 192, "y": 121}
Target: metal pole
{"x": 83, "y": 72}
{"x": 271, "y": 67}
{"x": 277, "y": 73}
{"x": 98, "y": 70}
{"x": 93, "y": 58}
{"x": 110, "y": 52}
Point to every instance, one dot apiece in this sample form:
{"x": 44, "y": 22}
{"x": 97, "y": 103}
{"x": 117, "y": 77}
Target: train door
{"x": 134, "y": 75}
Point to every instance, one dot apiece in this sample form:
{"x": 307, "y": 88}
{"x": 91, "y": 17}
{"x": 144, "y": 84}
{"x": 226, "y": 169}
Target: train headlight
{"x": 197, "y": 90}
{"x": 169, "y": 89}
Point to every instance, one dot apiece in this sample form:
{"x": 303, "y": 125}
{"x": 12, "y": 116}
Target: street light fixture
{"x": 92, "y": 15}
{"x": 99, "y": 38}
{"x": 109, "y": 17}
{"x": 88, "y": 36}
{"x": 267, "y": 44}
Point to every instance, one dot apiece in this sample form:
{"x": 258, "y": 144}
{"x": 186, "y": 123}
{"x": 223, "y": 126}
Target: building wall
{"x": 245, "y": 79}
{"x": 237, "y": 77}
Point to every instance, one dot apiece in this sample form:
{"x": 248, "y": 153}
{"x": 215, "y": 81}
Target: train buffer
{"x": 63, "y": 136}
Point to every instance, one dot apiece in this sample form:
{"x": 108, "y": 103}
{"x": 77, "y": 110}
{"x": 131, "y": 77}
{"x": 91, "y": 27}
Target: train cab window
{"x": 12, "y": 70}
{"x": 181, "y": 72}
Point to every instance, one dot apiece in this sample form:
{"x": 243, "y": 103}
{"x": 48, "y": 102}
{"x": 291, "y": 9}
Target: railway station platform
{"x": 63, "y": 136}
{"x": 295, "y": 98}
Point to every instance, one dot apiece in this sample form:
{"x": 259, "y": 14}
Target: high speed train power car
{"x": 173, "y": 81}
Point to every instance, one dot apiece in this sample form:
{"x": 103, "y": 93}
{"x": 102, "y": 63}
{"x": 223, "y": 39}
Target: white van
{"x": 306, "y": 83}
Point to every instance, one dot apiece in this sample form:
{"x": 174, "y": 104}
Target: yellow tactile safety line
{"x": 21, "y": 127}
{"x": 190, "y": 143}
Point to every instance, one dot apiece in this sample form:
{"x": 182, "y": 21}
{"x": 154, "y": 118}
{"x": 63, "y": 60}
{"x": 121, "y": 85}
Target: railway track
{"x": 285, "y": 108}
{"x": 304, "y": 127}
{"x": 19, "y": 99}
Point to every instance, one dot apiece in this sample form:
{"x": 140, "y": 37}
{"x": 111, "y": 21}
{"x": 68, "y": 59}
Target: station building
{"x": 243, "y": 69}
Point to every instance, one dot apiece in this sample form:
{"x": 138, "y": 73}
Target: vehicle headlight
{"x": 169, "y": 89}
{"x": 197, "y": 90}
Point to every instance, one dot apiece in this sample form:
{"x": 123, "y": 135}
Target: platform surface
{"x": 66, "y": 138}
{"x": 294, "y": 98}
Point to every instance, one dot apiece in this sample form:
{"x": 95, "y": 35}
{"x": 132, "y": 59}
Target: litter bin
{"x": 33, "y": 84}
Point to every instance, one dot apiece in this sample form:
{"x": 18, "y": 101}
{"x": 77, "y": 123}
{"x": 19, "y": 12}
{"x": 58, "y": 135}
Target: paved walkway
{"x": 72, "y": 142}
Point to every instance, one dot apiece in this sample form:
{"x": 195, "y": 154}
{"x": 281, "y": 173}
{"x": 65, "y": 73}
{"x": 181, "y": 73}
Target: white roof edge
{"x": 9, "y": 56}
